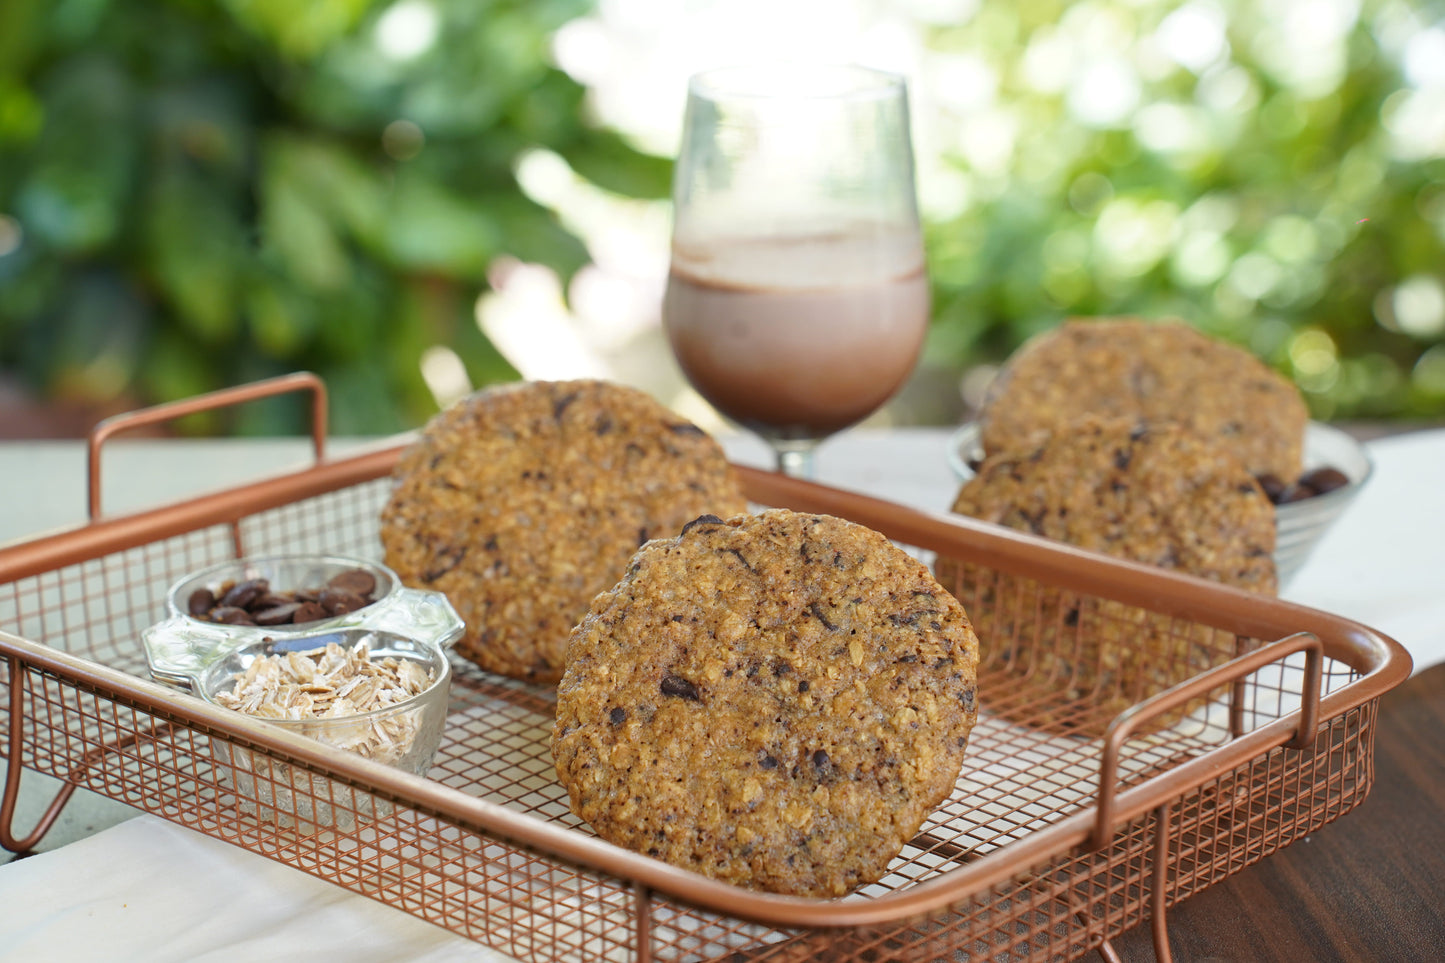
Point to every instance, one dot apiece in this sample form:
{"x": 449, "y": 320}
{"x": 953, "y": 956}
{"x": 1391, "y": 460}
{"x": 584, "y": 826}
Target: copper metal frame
{"x": 1055, "y": 839}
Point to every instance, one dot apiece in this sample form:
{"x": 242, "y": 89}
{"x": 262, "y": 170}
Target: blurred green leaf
{"x": 298, "y": 30}
{"x": 281, "y": 320}
{"x": 21, "y": 22}
{"x": 296, "y": 234}
{"x": 81, "y": 170}
{"x": 194, "y": 244}
{"x": 606, "y": 160}
{"x": 431, "y": 228}
{"x": 530, "y": 232}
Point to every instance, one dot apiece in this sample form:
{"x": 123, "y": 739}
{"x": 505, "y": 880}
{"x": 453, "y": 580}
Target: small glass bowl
{"x": 405, "y": 735}
{"x": 1298, "y": 525}
{"x": 181, "y": 646}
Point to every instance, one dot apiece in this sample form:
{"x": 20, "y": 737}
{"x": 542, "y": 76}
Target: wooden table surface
{"x": 1370, "y": 886}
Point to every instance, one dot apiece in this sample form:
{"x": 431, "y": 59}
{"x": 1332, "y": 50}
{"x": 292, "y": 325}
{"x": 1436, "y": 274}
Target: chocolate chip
{"x": 561, "y": 404}
{"x": 231, "y": 615}
{"x": 1325, "y": 479}
{"x": 244, "y": 593}
{"x": 1122, "y": 457}
{"x": 1272, "y": 484}
{"x": 821, "y": 762}
{"x": 817, "y": 611}
{"x": 673, "y": 685}
{"x": 278, "y": 614}
{"x": 357, "y": 581}
{"x": 741, "y": 558}
{"x": 701, "y": 520}
{"x": 202, "y": 600}
{"x": 767, "y": 762}
{"x": 340, "y": 602}
{"x": 804, "y": 685}
{"x": 1297, "y": 492}
{"x": 308, "y": 612}
{"x": 617, "y": 716}
{"x": 446, "y": 559}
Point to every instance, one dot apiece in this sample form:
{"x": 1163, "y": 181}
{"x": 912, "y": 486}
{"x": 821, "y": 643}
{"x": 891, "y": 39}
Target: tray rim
{"x": 1381, "y": 661}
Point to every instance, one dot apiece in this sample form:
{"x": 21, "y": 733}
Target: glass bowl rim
{"x": 443, "y": 675}
{"x": 178, "y": 607}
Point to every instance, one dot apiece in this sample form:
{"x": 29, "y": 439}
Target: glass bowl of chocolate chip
{"x": 218, "y": 609}
{"x": 1335, "y": 468}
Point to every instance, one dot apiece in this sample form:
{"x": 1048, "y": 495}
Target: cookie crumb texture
{"x": 1163, "y": 497}
{"x": 522, "y": 502}
{"x": 777, "y": 701}
{"x": 1153, "y": 373}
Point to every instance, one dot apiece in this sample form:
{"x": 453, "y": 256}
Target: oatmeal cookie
{"x": 1152, "y": 372}
{"x": 522, "y": 502}
{"x": 777, "y": 701}
{"x": 1161, "y": 496}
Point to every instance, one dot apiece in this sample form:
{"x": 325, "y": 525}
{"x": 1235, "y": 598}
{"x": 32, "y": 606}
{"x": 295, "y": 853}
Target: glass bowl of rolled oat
{"x": 378, "y": 695}
{"x": 220, "y": 608}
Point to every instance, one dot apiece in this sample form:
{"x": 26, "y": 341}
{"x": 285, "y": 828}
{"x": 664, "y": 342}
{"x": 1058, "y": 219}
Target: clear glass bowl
{"x": 181, "y": 646}
{"x": 405, "y": 735}
{"x": 1299, "y": 525}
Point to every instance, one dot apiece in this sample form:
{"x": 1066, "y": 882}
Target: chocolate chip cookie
{"x": 1161, "y": 496}
{"x": 1151, "y": 372}
{"x": 776, "y": 701}
{"x": 523, "y": 501}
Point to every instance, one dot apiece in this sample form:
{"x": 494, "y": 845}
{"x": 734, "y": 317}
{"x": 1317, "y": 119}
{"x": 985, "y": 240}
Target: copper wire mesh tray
{"x": 1066, "y": 826}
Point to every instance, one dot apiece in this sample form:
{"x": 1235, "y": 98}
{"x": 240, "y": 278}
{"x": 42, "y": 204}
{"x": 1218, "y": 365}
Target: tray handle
{"x": 1126, "y": 722}
{"x": 224, "y": 398}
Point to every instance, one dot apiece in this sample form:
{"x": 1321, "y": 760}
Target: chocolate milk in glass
{"x": 797, "y": 337}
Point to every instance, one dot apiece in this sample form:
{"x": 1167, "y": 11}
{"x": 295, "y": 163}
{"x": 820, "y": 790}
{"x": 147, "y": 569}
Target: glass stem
{"x": 795, "y": 458}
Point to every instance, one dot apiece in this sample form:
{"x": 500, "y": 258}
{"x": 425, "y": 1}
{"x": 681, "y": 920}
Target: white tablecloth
{"x": 149, "y": 890}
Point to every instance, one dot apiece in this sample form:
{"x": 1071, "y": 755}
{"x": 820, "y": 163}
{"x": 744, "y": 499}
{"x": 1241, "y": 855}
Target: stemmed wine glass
{"x": 797, "y": 298}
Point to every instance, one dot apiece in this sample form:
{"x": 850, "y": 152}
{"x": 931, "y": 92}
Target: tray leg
{"x": 13, "y": 770}
{"x": 1159, "y": 893}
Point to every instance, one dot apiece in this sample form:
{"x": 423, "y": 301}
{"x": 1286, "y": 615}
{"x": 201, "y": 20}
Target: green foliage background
{"x": 213, "y": 192}
{"x": 1286, "y": 228}
{"x": 207, "y": 195}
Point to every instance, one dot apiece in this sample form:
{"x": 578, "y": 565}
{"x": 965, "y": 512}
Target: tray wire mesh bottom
{"x": 1033, "y": 761}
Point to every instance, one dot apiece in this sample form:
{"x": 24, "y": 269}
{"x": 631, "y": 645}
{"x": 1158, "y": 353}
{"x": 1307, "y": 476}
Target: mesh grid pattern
{"x": 1033, "y": 760}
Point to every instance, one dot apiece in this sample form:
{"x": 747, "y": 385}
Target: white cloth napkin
{"x": 150, "y": 890}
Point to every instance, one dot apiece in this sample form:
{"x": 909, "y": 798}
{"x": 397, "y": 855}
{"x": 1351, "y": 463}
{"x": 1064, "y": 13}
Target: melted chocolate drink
{"x": 797, "y": 337}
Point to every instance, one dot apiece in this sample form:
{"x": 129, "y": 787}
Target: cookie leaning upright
{"x": 777, "y": 701}
{"x": 522, "y": 502}
{"x": 1152, "y": 372}
{"x": 1163, "y": 496}
{"x": 1160, "y": 496}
